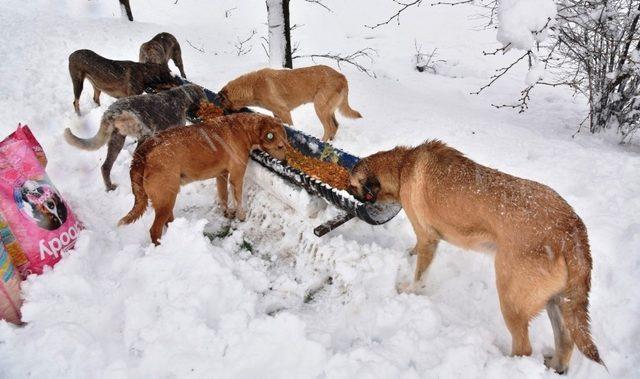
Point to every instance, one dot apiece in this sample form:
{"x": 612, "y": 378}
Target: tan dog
{"x": 541, "y": 248}
{"x": 160, "y": 49}
{"x": 218, "y": 149}
{"x": 116, "y": 78}
{"x": 281, "y": 91}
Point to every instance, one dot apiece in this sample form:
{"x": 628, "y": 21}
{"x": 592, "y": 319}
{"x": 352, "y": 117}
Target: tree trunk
{"x": 288, "y": 61}
{"x": 279, "y": 33}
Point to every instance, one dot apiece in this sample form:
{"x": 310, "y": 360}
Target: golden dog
{"x": 280, "y": 91}
{"x": 217, "y": 149}
{"x": 541, "y": 248}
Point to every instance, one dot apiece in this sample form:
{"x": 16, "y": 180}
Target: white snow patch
{"x": 521, "y": 23}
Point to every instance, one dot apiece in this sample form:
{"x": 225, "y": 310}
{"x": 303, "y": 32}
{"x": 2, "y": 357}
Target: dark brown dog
{"x": 217, "y": 149}
{"x": 541, "y": 247}
{"x": 116, "y": 78}
{"x": 127, "y": 8}
{"x": 140, "y": 117}
{"x": 160, "y": 49}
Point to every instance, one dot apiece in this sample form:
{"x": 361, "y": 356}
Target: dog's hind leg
{"x": 563, "y": 341}
{"x": 325, "y": 103}
{"x": 96, "y": 95}
{"x": 526, "y": 281}
{"x": 115, "y": 146}
{"x": 77, "y": 78}
{"x": 327, "y": 121}
{"x": 162, "y": 194}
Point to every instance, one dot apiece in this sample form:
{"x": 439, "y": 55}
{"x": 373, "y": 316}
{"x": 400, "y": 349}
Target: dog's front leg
{"x": 236, "y": 177}
{"x": 283, "y": 114}
{"x": 425, "y": 249}
{"x": 222, "y": 183}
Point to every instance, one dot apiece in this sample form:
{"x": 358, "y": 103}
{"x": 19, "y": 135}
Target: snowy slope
{"x": 266, "y": 297}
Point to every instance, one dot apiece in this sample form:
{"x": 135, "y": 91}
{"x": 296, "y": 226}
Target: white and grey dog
{"x": 140, "y": 117}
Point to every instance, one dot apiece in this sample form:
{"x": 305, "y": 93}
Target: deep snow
{"x": 266, "y": 297}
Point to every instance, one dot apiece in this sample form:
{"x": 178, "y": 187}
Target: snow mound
{"x": 522, "y": 22}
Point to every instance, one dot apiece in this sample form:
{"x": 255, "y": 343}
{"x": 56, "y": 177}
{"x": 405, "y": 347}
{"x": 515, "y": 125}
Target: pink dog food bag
{"x": 23, "y": 133}
{"x": 10, "y": 300}
{"x": 40, "y": 224}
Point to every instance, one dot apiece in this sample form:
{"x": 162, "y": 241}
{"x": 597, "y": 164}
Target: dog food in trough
{"x": 327, "y": 172}
{"x": 317, "y": 167}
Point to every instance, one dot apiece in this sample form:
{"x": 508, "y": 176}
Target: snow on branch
{"x": 523, "y": 23}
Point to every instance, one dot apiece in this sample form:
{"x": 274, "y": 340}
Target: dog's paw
{"x": 241, "y": 215}
{"x": 229, "y": 213}
{"x": 554, "y": 365}
{"x": 407, "y": 287}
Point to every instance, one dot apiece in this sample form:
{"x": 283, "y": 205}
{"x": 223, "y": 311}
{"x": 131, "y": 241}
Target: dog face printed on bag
{"x": 39, "y": 202}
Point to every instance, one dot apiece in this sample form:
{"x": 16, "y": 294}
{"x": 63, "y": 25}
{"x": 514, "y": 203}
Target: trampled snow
{"x": 266, "y": 298}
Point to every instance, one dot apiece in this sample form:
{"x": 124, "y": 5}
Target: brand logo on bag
{"x": 56, "y": 245}
{"x": 39, "y": 202}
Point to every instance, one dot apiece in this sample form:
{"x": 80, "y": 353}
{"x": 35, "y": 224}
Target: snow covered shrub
{"x": 596, "y": 52}
{"x": 592, "y": 47}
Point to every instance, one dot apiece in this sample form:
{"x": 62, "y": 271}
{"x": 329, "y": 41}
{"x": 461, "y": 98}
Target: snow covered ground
{"x": 266, "y": 298}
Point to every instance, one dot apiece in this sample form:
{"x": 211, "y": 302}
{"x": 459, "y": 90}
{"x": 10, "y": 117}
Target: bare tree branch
{"x": 200, "y": 49}
{"x": 500, "y": 73}
{"x": 396, "y": 16}
{"x": 350, "y": 59}
{"x": 227, "y": 12}
{"x": 320, "y": 3}
{"x": 241, "y": 49}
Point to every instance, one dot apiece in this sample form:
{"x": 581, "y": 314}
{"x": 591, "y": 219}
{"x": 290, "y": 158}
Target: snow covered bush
{"x": 592, "y": 47}
{"x": 589, "y": 46}
{"x": 596, "y": 52}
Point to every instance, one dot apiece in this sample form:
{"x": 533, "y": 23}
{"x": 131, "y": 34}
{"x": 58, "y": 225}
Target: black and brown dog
{"x": 116, "y": 78}
{"x": 160, "y": 49}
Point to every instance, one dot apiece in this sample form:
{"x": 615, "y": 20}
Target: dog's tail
{"x": 106, "y": 128}
{"x": 137, "y": 186}
{"x": 345, "y": 109}
{"x": 575, "y": 308}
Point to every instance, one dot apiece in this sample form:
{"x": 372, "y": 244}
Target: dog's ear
{"x": 371, "y": 188}
{"x": 223, "y": 94}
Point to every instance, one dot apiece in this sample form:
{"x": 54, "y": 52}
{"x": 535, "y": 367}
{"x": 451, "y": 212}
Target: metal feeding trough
{"x": 374, "y": 214}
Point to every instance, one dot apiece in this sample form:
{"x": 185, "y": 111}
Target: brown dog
{"x": 541, "y": 248}
{"x": 160, "y": 49}
{"x": 116, "y": 78}
{"x": 218, "y": 149}
{"x": 280, "y": 91}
